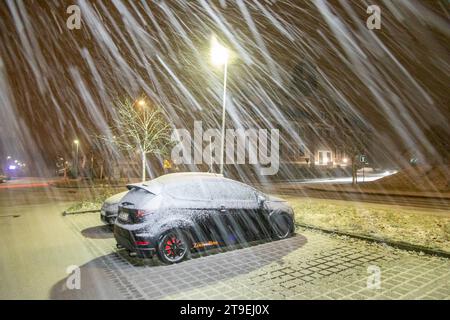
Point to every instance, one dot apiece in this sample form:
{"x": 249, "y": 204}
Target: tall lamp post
{"x": 219, "y": 57}
{"x": 76, "y": 142}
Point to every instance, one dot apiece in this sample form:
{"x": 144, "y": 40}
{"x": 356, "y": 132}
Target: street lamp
{"x": 219, "y": 57}
{"x": 76, "y": 142}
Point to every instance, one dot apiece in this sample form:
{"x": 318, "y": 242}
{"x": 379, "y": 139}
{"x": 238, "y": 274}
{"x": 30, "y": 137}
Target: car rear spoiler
{"x": 150, "y": 186}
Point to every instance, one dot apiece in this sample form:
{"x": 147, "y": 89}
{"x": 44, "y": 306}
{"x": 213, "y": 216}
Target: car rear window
{"x": 136, "y": 197}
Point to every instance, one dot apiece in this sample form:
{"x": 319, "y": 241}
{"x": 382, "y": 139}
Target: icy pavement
{"x": 310, "y": 265}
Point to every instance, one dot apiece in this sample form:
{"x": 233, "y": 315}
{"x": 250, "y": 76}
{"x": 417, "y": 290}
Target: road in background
{"x": 302, "y": 190}
{"x": 366, "y": 177}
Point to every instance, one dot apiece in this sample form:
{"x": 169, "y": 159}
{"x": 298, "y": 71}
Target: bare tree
{"x": 142, "y": 127}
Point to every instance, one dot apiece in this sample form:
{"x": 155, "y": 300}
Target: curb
{"x": 65, "y": 213}
{"x": 379, "y": 194}
{"x": 396, "y": 244}
{"x": 87, "y": 187}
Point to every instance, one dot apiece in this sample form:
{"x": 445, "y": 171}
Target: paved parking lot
{"x": 311, "y": 265}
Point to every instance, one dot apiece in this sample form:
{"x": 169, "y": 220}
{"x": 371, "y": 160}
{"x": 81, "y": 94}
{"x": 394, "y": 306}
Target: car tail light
{"x": 142, "y": 243}
{"x": 141, "y": 213}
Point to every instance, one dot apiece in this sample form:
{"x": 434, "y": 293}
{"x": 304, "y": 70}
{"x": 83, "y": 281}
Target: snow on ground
{"x": 425, "y": 227}
{"x": 424, "y": 180}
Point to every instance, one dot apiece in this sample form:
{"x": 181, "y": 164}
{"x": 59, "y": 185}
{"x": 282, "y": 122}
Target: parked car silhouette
{"x": 110, "y": 208}
{"x": 178, "y": 213}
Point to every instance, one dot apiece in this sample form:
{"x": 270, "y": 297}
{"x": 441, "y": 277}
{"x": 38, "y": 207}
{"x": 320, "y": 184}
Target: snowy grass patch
{"x": 424, "y": 227}
{"x": 93, "y": 202}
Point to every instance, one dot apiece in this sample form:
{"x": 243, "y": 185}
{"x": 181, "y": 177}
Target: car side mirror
{"x": 261, "y": 201}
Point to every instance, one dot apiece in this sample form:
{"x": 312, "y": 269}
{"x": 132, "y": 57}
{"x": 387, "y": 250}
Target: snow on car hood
{"x": 274, "y": 199}
{"x": 274, "y": 203}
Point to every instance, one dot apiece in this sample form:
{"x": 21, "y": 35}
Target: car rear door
{"x": 249, "y": 222}
{"x": 195, "y": 201}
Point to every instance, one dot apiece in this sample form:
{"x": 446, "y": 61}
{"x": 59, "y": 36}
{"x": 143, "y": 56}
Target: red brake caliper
{"x": 175, "y": 241}
{"x": 168, "y": 248}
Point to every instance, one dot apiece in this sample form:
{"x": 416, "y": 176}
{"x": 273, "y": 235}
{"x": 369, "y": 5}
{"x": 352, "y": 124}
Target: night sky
{"x": 58, "y": 84}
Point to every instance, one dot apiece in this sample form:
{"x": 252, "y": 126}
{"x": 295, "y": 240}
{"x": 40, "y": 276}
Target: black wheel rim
{"x": 174, "y": 248}
{"x": 282, "y": 226}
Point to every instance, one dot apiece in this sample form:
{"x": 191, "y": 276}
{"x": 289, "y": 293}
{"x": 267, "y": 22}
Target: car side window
{"x": 214, "y": 193}
{"x": 195, "y": 190}
{"x": 230, "y": 191}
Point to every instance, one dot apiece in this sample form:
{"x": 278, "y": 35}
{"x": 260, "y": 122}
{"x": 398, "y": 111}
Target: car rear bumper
{"x": 108, "y": 217}
{"x": 128, "y": 240}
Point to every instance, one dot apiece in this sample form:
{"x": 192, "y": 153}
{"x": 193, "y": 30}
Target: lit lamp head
{"x": 76, "y": 142}
{"x": 219, "y": 54}
{"x": 141, "y": 102}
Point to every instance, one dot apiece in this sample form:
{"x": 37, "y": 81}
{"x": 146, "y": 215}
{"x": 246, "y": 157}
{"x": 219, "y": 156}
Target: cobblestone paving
{"x": 311, "y": 265}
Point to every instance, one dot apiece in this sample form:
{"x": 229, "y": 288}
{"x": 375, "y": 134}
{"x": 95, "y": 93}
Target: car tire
{"x": 282, "y": 225}
{"x": 169, "y": 245}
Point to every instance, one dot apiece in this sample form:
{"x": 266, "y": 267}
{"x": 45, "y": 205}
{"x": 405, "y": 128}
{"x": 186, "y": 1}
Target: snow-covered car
{"x": 110, "y": 208}
{"x": 178, "y": 213}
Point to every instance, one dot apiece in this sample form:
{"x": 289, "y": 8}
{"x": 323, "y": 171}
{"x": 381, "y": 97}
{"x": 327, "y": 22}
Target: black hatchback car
{"x": 178, "y": 213}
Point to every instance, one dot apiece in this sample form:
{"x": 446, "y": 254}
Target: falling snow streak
{"x": 295, "y": 64}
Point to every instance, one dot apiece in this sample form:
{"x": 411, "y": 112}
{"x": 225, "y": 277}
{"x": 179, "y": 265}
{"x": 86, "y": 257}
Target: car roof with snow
{"x": 157, "y": 185}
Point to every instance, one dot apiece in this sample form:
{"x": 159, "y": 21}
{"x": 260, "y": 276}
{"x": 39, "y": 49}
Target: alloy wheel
{"x": 174, "y": 247}
{"x": 282, "y": 225}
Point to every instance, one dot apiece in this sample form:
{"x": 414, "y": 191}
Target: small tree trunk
{"x": 143, "y": 165}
